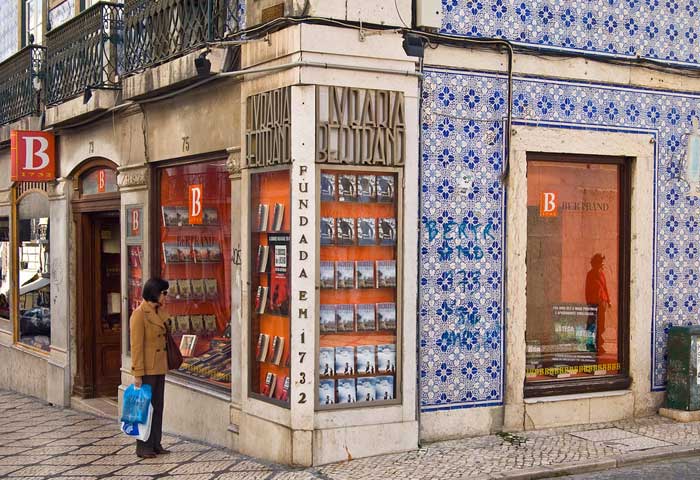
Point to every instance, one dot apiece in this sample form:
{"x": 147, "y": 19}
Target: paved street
{"x": 38, "y": 441}
{"x": 681, "y": 469}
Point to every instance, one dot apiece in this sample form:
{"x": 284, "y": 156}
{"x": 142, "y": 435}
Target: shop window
{"x": 194, "y": 241}
{"x": 270, "y": 325}
{"x": 577, "y": 283}
{"x": 33, "y": 270}
{"x": 359, "y": 308}
{"x": 34, "y": 14}
{"x": 134, "y": 251}
{"x": 98, "y": 180}
{"x": 5, "y": 268}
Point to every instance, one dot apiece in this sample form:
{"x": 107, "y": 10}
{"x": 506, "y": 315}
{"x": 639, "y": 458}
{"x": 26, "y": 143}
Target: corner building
{"x": 361, "y": 244}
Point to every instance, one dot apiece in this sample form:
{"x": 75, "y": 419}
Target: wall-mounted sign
{"x": 134, "y": 219}
{"x": 357, "y": 126}
{"x": 195, "y": 209}
{"x": 101, "y": 181}
{"x": 692, "y": 160}
{"x": 268, "y": 128}
{"x": 32, "y": 156}
{"x": 548, "y": 204}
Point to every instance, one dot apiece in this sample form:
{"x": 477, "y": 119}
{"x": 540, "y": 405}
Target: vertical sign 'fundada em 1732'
{"x": 268, "y": 128}
{"x": 357, "y": 126}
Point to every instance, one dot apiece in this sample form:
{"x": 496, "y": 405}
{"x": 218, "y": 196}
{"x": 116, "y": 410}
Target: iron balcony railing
{"x": 158, "y": 30}
{"x": 21, "y": 78}
{"x": 83, "y": 53}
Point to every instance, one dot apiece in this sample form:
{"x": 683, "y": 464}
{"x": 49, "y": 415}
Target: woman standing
{"x": 149, "y": 360}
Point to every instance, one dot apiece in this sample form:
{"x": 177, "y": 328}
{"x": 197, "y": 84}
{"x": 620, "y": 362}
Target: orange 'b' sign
{"x": 135, "y": 229}
{"x": 195, "y": 206}
{"x": 32, "y": 156}
{"x": 101, "y": 181}
{"x": 548, "y": 204}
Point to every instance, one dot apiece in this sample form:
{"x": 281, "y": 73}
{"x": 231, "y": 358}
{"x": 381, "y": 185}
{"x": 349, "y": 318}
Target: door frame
{"x": 83, "y": 210}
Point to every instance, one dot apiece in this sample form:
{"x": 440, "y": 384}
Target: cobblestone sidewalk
{"x": 38, "y": 441}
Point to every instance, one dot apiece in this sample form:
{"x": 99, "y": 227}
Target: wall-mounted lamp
{"x": 413, "y": 45}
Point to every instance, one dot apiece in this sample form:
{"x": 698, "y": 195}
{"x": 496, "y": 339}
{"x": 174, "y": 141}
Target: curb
{"x": 619, "y": 461}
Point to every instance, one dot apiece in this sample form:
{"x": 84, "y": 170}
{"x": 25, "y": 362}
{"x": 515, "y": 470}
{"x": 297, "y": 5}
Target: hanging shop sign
{"x": 268, "y": 128}
{"x": 357, "y": 126}
{"x": 32, "y": 156}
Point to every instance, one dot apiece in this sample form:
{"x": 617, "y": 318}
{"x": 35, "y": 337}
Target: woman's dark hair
{"x": 153, "y": 287}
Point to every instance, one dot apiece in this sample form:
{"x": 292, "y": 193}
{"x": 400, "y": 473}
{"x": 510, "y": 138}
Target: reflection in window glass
{"x": 34, "y": 275}
{"x": 5, "y": 268}
{"x": 573, "y": 286}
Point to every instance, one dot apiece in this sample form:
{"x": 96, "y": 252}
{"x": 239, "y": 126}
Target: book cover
{"x": 326, "y": 361}
{"x": 277, "y": 217}
{"x": 344, "y": 318}
{"x": 207, "y": 253}
{"x": 282, "y": 388}
{"x": 261, "y": 300}
{"x": 210, "y": 216}
{"x": 347, "y": 188}
{"x": 344, "y": 274}
{"x": 187, "y": 344}
{"x": 327, "y": 187}
{"x": 170, "y": 217}
{"x": 366, "y": 188}
{"x": 197, "y": 322}
{"x": 366, "y": 389}
{"x": 346, "y": 390}
{"x": 366, "y": 231}
{"x": 276, "y": 350}
{"x": 211, "y": 287}
{"x": 263, "y": 347}
{"x": 386, "y": 315}
{"x": 184, "y": 286}
{"x": 174, "y": 253}
{"x": 198, "y": 292}
{"x": 210, "y": 325}
{"x": 386, "y": 358}
{"x": 173, "y": 292}
{"x": 344, "y": 360}
{"x": 365, "y": 274}
{"x": 366, "y": 320}
{"x": 182, "y": 323}
{"x": 387, "y": 231}
{"x": 135, "y": 256}
{"x": 385, "y": 188}
{"x": 384, "y": 387}
{"x": 263, "y": 252}
{"x": 326, "y": 392}
{"x": 366, "y": 359}
{"x": 345, "y": 231}
{"x": 327, "y": 318}
{"x": 386, "y": 273}
{"x": 327, "y": 275}
{"x": 261, "y": 220}
{"x": 279, "y": 280}
{"x": 270, "y": 384}
{"x": 327, "y": 230}
{"x": 284, "y": 394}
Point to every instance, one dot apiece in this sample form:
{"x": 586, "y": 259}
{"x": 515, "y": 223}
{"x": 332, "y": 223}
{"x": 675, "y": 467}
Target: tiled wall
{"x": 660, "y": 29}
{"x": 461, "y": 291}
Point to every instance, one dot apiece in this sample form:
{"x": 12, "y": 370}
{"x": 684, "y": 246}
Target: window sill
{"x": 576, "y": 396}
{"x": 185, "y": 382}
{"x": 576, "y": 387}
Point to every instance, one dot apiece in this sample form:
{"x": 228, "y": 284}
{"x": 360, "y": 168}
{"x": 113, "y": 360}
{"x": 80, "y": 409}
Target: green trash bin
{"x": 683, "y": 377}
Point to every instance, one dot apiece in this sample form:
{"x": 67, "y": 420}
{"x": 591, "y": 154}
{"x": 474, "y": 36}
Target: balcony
{"x": 82, "y": 54}
{"x": 20, "y": 84}
{"x": 158, "y": 31}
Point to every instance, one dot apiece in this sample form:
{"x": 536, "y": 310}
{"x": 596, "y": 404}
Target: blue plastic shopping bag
{"x": 139, "y": 431}
{"x": 136, "y": 403}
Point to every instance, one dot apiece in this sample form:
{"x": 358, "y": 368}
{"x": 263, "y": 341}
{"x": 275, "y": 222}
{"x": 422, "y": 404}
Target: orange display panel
{"x": 270, "y": 302}
{"x": 358, "y": 318}
{"x": 195, "y": 259}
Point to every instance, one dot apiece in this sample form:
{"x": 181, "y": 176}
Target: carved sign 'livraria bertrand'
{"x": 360, "y": 127}
{"x": 268, "y": 128}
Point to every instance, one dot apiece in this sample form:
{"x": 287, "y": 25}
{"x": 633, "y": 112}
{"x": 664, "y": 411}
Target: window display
{"x": 574, "y": 289}
{"x": 195, "y": 246}
{"x": 270, "y": 327}
{"x": 357, "y": 277}
{"x": 33, "y": 271}
{"x": 5, "y": 268}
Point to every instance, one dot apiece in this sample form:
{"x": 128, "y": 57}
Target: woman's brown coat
{"x": 147, "y": 329}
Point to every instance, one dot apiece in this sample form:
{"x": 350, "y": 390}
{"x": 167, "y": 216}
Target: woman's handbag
{"x": 173, "y": 351}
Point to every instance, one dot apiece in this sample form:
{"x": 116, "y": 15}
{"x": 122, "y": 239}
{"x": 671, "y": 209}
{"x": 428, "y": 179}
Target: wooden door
{"x": 106, "y": 308}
